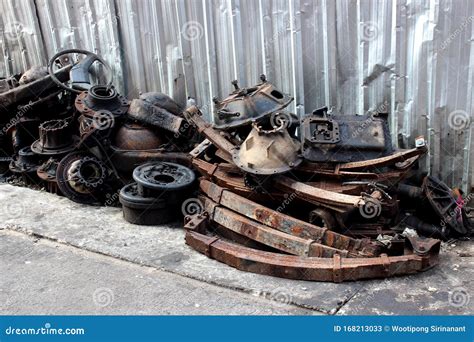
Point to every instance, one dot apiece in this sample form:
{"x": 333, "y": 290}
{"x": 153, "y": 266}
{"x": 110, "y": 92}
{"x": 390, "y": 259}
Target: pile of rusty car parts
{"x": 313, "y": 199}
{"x": 324, "y": 197}
{"x": 83, "y": 141}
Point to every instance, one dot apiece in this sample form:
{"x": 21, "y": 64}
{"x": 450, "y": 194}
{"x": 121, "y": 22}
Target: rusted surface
{"x": 285, "y": 223}
{"x": 397, "y": 157}
{"x": 30, "y": 91}
{"x": 136, "y": 137}
{"x": 248, "y": 104}
{"x": 336, "y": 269}
{"x": 314, "y": 194}
{"x": 268, "y": 236}
{"x": 194, "y": 115}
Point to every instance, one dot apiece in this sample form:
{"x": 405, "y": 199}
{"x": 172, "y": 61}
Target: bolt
{"x": 235, "y": 84}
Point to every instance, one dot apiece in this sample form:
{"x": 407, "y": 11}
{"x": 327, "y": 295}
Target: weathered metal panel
{"x": 414, "y": 59}
{"x": 20, "y": 37}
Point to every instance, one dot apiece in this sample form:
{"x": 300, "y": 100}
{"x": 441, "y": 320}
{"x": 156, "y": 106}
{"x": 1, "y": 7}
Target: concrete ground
{"x": 60, "y": 257}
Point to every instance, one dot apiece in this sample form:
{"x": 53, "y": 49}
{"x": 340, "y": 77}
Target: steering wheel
{"x": 79, "y": 75}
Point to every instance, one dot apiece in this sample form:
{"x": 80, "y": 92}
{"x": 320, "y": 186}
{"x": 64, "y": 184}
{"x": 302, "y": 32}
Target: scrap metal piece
{"x": 100, "y": 108}
{"x": 245, "y": 105}
{"x": 55, "y": 138}
{"x": 145, "y": 112}
{"x": 268, "y": 236}
{"x": 445, "y": 205}
{"x": 32, "y": 74}
{"x": 47, "y": 173}
{"x": 267, "y": 152}
{"x": 285, "y": 223}
{"x": 318, "y": 196}
{"x": 24, "y": 93}
{"x": 136, "y": 137}
{"x": 81, "y": 177}
{"x": 336, "y": 269}
{"x": 163, "y": 101}
{"x": 25, "y": 162}
{"x": 143, "y": 210}
{"x": 157, "y": 178}
{"x": 344, "y": 138}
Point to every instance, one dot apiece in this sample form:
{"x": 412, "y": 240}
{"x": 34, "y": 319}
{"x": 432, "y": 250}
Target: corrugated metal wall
{"x": 412, "y": 58}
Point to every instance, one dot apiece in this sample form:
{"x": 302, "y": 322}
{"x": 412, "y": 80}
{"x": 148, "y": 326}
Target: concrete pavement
{"x": 445, "y": 289}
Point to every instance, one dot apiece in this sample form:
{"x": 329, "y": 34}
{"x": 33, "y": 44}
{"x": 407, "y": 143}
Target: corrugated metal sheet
{"x": 412, "y": 58}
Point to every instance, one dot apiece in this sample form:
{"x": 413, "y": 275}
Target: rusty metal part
{"x": 25, "y": 162}
{"x": 268, "y": 236}
{"x": 136, "y": 137}
{"x": 33, "y": 74}
{"x": 24, "y": 133}
{"x": 24, "y": 93}
{"x": 267, "y": 152}
{"x": 163, "y": 101}
{"x": 127, "y": 160}
{"x": 9, "y": 83}
{"x": 200, "y": 149}
{"x": 100, "y": 108}
{"x": 99, "y": 98}
{"x": 147, "y": 113}
{"x": 81, "y": 177}
{"x": 336, "y": 269}
{"x": 157, "y": 179}
{"x": 47, "y": 173}
{"x": 441, "y": 198}
{"x": 344, "y": 138}
{"x": 285, "y": 223}
{"x": 194, "y": 116}
{"x": 392, "y": 159}
{"x": 324, "y": 218}
{"x": 143, "y": 210}
{"x": 245, "y": 105}
{"x": 55, "y": 138}
{"x": 318, "y": 196}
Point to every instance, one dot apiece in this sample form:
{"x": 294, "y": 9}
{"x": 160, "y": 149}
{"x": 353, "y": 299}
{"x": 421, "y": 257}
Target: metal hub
{"x": 55, "y": 137}
{"x": 80, "y": 177}
{"x": 157, "y": 177}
